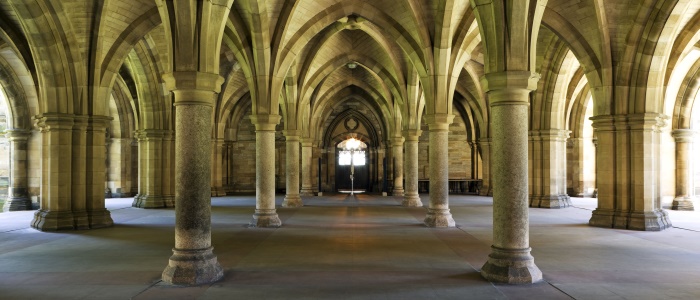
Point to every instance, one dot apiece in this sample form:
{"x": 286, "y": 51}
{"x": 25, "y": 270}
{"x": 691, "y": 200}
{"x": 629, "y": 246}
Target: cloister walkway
{"x": 337, "y": 247}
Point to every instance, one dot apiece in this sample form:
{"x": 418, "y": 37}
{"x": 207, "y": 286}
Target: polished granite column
{"x": 193, "y": 261}
{"x": 510, "y": 260}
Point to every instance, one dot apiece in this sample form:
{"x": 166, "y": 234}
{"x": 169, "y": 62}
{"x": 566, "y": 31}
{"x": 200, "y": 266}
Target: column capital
{"x": 54, "y": 121}
{"x": 684, "y": 135}
{"x": 549, "y": 134}
{"x": 397, "y": 141}
{"x": 509, "y": 87}
{"x": 99, "y": 122}
{"x": 439, "y": 122}
{"x": 265, "y": 122}
{"x": 307, "y": 142}
{"x": 150, "y": 134}
{"x": 17, "y": 134}
{"x": 192, "y": 87}
{"x": 80, "y": 122}
{"x": 647, "y": 121}
{"x": 291, "y": 133}
{"x": 412, "y": 134}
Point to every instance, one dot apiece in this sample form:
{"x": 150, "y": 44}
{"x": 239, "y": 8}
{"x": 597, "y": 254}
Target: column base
{"x": 511, "y": 266}
{"x": 81, "y": 220}
{"x": 266, "y": 219}
{"x": 218, "y": 192}
{"x": 292, "y": 201}
{"x": 411, "y": 201}
{"x": 169, "y": 201}
{"x": 680, "y": 203}
{"x": 306, "y": 192}
{"x": 45, "y": 220}
{"x": 192, "y": 267}
{"x": 19, "y": 203}
{"x": 656, "y": 220}
{"x": 550, "y": 201}
{"x": 149, "y": 201}
{"x": 397, "y": 193}
{"x": 602, "y": 218}
{"x": 441, "y": 218}
{"x": 100, "y": 218}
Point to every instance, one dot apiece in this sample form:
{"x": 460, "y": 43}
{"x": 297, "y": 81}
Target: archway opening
{"x": 4, "y": 150}
{"x": 352, "y": 173}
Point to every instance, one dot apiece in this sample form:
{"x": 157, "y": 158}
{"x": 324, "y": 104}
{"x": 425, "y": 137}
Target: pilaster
{"x": 306, "y": 167}
{"x": 217, "y": 187}
{"x": 547, "y": 149}
{"x": 17, "y": 192}
{"x": 150, "y": 169}
{"x": 684, "y": 141}
{"x": 98, "y": 215}
{"x": 292, "y": 198}
{"x": 55, "y": 210}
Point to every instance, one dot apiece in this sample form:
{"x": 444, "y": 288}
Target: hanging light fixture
{"x": 352, "y": 65}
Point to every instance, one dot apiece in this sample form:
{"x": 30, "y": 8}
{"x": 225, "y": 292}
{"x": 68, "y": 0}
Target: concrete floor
{"x": 340, "y": 248}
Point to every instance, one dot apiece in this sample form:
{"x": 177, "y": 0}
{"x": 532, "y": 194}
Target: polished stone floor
{"x": 337, "y": 247}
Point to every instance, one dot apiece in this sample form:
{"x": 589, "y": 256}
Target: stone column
{"x": 684, "y": 174}
{"x": 510, "y": 260}
{"x": 292, "y": 199}
{"x": 119, "y": 164}
{"x": 98, "y": 215}
{"x": 439, "y": 208}
{"x": 265, "y": 212}
{"x": 55, "y": 211}
{"x": 193, "y": 260}
{"x": 411, "y": 197}
{"x": 228, "y": 178}
{"x": 217, "y": 188}
{"x": 486, "y": 183}
{"x": 17, "y": 193}
{"x": 306, "y": 167}
{"x": 151, "y": 157}
{"x": 78, "y": 171}
{"x": 168, "y": 169}
{"x": 548, "y": 169}
{"x": 397, "y": 147}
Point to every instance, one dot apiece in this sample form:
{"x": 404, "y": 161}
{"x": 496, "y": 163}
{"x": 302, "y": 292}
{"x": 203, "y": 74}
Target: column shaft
{"x": 18, "y": 192}
{"x": 292, "y": 199}
{"x": 217, "y": 188}
{"x": 98, "y": 215}
{"x": 486, "y": 183}
{"x": 306, "y": 167}
{"x": 439, "y": 209}
{"x": 265, "y": 212}
{"x": 397, "y": 148}
{"x": 411, "y": 197}
{"x": 684, "y": 140}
